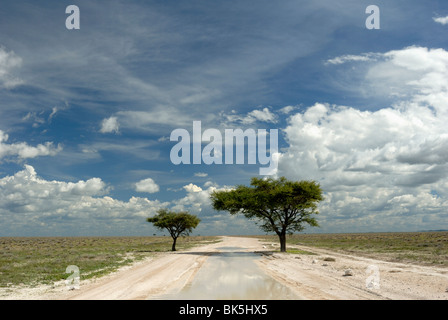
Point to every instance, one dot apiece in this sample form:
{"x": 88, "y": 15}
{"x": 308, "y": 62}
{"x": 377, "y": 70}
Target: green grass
{"x": 427, "y": 248}
{"x": 33, "y": 261}
{"x": 297, "y": 251}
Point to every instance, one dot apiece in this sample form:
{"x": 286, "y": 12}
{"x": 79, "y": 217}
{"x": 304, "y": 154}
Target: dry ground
{"x": 320, "y": 276}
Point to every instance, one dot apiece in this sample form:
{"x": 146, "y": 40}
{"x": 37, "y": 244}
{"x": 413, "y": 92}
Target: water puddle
{"x": 232, "y": 274}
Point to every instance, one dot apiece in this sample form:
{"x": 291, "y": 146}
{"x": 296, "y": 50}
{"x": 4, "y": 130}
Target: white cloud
{"x": 8, "y": 62}
{"x": 334, "y": 139}
{"x": 263, "y": 115}
{"x": 28, "y": 201}
{"x": 163, "y": 139}
{"x": 197, "y": 201}
{"x": 147, "y": 185}
{"x": 23, "y": 150}
{"x": 197, "y": 198}
{"x": 192, "y": 188}
{"x": 441, "y": 20}
{"x": 154, "y": 120}
{"x": 40, "y": 118}
{"x": 201, "y": 174}
{"x": 365, "y": 159}
{"x": 34, "y": 117}
{"x": 109, "y": 125}
{"x": 287, "y": 109}
{"x": 210, "y": 184}
{"x": 413, "y": 73}
{"x": 27, "y": 182}
{"x": 383, "y": 169}
{"x": 54, "y": 110}
{"x": 350, "y": 58}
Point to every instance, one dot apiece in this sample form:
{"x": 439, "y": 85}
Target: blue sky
{"x": 86, "y": 115}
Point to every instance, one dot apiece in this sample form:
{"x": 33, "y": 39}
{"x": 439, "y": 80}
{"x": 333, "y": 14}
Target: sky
{"x": 86, "y": 114}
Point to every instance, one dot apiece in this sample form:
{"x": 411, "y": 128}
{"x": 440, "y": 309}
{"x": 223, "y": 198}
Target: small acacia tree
{"x": 281, "y": 206}
{"x": 177, "y": 223}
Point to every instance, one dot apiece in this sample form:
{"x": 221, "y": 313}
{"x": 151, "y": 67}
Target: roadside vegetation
{"x": 426, "y": 248}
{"x": 33, "y": 261}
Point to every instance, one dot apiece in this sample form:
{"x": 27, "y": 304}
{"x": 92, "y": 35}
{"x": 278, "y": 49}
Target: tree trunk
{"x": 173, "y": 248}
{"x": 282, "y": 237}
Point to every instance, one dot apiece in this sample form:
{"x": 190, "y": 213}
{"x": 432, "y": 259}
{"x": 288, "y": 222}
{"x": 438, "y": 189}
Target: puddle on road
{"x": 232, "y": 274}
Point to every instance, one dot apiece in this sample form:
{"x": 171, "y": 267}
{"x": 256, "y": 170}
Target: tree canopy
{"x": 278, "y": 205}
{"x": 177, "y": 223}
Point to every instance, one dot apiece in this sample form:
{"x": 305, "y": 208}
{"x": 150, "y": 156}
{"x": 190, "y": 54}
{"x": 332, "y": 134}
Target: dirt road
{"x": 336, "y": 276}
{"x": 324, "y": 275}
{"x": 158, "y": 278}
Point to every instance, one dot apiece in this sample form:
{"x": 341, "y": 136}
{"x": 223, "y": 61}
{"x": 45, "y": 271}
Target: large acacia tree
{"x": 278, "y": 205}
{"x": 177, "y": 223}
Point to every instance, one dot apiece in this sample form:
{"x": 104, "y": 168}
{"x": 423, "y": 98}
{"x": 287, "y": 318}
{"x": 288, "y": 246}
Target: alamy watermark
{"x": 72, "y": 22}
{"x": 373, "y": 277}
{"x": 229, "y": 149}
{"x": 72, "y": 281}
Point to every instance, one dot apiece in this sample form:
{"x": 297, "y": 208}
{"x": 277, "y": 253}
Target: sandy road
{"x": 169, "y": 272}
{"x": 308, "y": 276}
{"x": 323, "y": 276}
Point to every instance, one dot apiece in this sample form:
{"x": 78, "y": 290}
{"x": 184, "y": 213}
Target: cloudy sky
{"x": 86, "y": 114}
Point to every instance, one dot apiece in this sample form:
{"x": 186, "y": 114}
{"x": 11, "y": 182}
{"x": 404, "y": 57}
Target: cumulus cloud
{"x": 23, "y": 150}
{"x": 416, "y": 73}
{"x": 147, "y": 185}
{"x": 8, "y": 62}
{"x": 409, "y": 73}
{"x": 343, "y": 139}
{"x": 386, "y": 167}
{"x": 197, "y": 198}
{"x": 192, "y": 188}
{"x": 197, "y": 201}
{"x": 383, "y": 162}
{"x": 28, "y": 201}
{"x": 25, "y": 186}
{"x": 109, "y": 125}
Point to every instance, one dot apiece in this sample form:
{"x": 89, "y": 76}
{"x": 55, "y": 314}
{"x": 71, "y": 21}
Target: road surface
{"x": 257, "y": 269}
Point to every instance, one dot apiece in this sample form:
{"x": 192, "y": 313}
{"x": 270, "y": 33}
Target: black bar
{"x": 222, "y": 309}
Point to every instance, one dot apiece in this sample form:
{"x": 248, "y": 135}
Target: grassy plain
{"x": 43, "y": 260}
{"x": 426, "y": 248}
{"x": 33, "y": 261}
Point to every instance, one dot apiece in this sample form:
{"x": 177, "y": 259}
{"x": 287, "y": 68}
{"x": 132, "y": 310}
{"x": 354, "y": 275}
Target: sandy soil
{"x": 325, "y": 275}
{"x": 314, "y": 277}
